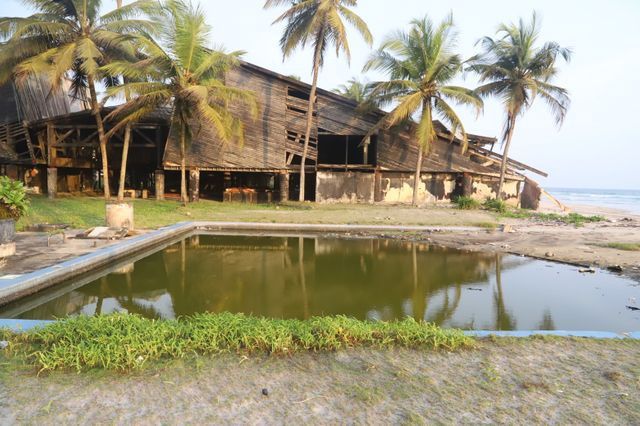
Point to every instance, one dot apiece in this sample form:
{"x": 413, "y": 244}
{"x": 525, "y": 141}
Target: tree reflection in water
{"x": 364, "y": 278}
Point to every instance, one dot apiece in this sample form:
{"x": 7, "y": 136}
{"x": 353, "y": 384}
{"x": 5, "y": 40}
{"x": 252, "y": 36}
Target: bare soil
{"x": 540, "y": 381}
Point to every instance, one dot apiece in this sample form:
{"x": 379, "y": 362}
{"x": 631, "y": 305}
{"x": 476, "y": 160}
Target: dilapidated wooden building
{"x": 62, "y": 145}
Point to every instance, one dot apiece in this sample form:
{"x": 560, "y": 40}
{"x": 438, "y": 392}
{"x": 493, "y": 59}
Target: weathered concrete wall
{"x": 487, "y": 187}
{"x": 397, "y": 187}
{"x": 433, "y": 187}
{"x": 344, "y": 187}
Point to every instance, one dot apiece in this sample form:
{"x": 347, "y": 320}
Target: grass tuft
{"x": 127, "y": 342}
{"x": 624, "y": 246}
{"x": 466, "y": 203}
{"x": 495, "y": 205}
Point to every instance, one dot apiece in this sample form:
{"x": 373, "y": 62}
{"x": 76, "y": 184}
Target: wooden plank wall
{"x": 277, "y": 135}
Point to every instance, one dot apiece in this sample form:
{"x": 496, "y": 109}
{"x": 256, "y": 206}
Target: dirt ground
{"x": 558, "y": 242}
{"x": 550, "y": 381}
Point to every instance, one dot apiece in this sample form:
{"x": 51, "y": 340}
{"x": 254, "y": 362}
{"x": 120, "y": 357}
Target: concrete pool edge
{"x": 17, "y": 325}
{"x": 15, "y": 287}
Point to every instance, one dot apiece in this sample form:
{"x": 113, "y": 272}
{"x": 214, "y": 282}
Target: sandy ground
{"x": 551, "y": 381}
{"x": 565, "y": 243}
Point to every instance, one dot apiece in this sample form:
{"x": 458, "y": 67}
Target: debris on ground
{"x": 47, "y": 227}
{"x": 4, "y": 344}
{"x": 633, "y": 308}
{"x": 104, "y": 233}
{"x": 588, "y": 270}
{"x": 614, "y": 268}
{"x": 474, "y": 289}
{"x": 549, "y": 254}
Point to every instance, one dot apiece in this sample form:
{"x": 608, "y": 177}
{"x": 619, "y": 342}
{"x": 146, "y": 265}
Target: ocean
{"x": 620, "y": 199}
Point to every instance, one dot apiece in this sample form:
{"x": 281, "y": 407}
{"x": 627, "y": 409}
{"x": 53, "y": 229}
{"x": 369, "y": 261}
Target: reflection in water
{"x": 299, "y": 277}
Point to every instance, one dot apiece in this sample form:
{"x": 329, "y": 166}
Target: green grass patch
{"x": 575, "y": 219}
{"x": 466, "y": 203}
{"x": 623, "y": 246}
{"x": 495, "y": 205}
{"x": 126, "y": 342}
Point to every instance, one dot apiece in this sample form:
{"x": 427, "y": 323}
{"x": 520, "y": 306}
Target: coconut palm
{"x": 181, "y": 72}
{"x": 359, "y": 92}
{"x": 420, "y": 64}
{"x": 319, "y": 23}
{"x": 68, "y": 39}
{"x": 516, "y": 72}
{"x": 354, "y": 89}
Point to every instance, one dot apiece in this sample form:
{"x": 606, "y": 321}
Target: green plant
{"x": 421, "y": 65}
{"x": 181, "y": 72}
{"x": 515, "y": 71}
{"x": 570, "y": 219}
{"x": 13, "y": 199}
{"x": 125, "y": 342}
{"x": 70, "y": 39}
{"x": 496, "y": 205}
{"x": 466, "y": 203}
{"x": 319, "y": 23}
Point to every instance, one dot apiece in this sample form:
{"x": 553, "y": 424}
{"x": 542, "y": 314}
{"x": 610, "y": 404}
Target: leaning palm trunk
{"x": 95, "y": 110}
{"x": 307, "y": 135}
{"x": 511, "y": 121}
{"x": 183, "y": 164}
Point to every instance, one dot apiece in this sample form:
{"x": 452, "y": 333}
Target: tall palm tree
{"x": 516, "y": 71}
{"x": 69, "y": 39}
{"x": 319, "y": 23}
{"x": 420, "y": 64}
{"x": 179, "y": 71}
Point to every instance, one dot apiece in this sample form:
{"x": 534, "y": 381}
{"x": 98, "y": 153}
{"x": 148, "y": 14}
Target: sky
{"x": 597, "y": 146}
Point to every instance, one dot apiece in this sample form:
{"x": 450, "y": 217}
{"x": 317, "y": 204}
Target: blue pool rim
{"x": 18, "y": 325}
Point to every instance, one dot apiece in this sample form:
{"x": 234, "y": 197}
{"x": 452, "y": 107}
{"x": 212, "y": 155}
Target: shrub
{"x": 495, "y": 205}
{"x": 13, "y": 199}
{"x": 466, "y": 203}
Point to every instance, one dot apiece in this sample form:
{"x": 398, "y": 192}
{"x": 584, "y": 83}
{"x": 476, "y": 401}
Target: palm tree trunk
{"x": 125, "y": 147}
{"x": 416, "y": 178}
{"x": 426, "y": 115}
{"x": 95, "y": 109}
{"x": 312, "y": 101}
{"x": 183, "y": 165}
{"x": 511, "y": 122}
{"x": 123, "y": 163}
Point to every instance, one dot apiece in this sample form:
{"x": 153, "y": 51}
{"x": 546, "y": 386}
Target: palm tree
{"x": 69, "y": 39}
{"x": 354, "y": 89}
{"x": 179, "y": 71}
{"x": 516, "y": 72}
{"x": 420, "y": 64}
{"x": 318, "y": 23}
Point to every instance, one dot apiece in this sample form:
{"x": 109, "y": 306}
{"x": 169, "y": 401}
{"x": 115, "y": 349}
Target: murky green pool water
{"x": 299, "y": 277}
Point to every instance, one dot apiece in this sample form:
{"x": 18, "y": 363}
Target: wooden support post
{"x": 283, "y": 183}
{"x": 52, "y": 182}
{"x": 159, "y": 185}
{"x": 194, "y": 185}
{"x": 377, "y": 186}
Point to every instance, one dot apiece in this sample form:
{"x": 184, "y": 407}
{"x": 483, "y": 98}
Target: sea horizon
{"x": 621, "y": 199}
